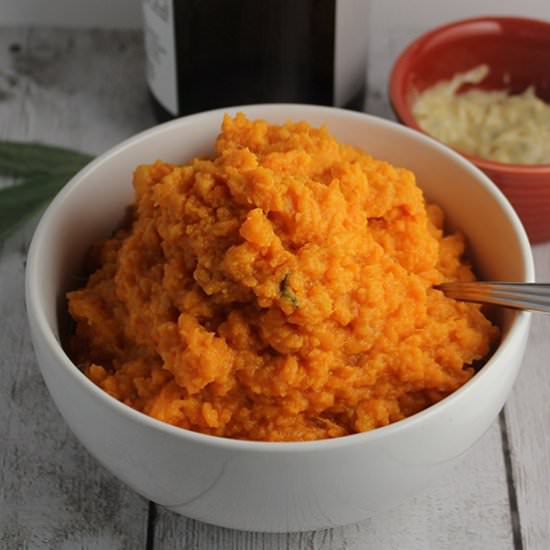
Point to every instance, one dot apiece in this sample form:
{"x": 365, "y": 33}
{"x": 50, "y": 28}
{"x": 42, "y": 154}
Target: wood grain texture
{"x": 528, "y": 419}
{"x": 71, "y": 89}
{"x": 81, "y": 89}
{"x": 52, "y": 492}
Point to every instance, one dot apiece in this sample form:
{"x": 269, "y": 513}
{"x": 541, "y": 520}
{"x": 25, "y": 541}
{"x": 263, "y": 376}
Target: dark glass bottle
{"x": 205, "y": 54}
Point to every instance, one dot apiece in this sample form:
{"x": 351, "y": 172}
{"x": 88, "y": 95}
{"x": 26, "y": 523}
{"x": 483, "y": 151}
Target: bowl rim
{"x": 37, "y": 315}
{"x": 404, "y": 113}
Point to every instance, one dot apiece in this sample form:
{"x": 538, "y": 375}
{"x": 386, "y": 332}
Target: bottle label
{"x": 160, "y": 51}
{"x": 350, "y": 50}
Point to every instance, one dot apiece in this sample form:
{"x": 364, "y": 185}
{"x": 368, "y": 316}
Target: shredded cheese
{"x": 492, "y": 125}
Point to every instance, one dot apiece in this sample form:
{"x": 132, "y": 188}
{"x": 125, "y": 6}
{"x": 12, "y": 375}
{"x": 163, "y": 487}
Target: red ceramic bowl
{"x": 517, "y": 50}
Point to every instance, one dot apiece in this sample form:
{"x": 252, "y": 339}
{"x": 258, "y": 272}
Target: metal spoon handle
{"x": 528, "y": 296}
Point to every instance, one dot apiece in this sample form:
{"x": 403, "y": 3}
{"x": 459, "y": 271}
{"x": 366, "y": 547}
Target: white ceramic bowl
{"x": 274, "y": 486}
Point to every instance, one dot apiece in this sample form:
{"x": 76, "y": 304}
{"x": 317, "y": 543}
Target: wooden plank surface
{"x": 86, "y": 90}
{"x": 70, "y": 89}
{"x": 52, "y": 492}
{"x": 528, "y": 419}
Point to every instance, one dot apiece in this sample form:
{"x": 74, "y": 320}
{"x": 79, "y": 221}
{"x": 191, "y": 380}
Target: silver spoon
{"x": 528, "y": 296}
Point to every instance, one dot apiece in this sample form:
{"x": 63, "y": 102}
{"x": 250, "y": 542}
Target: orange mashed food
{"x": 280, "y": 290}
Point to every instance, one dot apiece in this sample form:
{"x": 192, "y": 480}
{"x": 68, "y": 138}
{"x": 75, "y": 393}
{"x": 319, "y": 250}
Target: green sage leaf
{"x": 40, "y": 172}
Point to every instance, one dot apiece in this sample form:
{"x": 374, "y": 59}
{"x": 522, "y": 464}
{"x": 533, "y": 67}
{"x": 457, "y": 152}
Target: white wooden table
{"x": 85, "y": 89}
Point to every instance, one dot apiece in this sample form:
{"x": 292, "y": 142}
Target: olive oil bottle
{"x": 205, "y": 54}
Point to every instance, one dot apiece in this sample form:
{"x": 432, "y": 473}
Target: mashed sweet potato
{"x": 280, "y": 290}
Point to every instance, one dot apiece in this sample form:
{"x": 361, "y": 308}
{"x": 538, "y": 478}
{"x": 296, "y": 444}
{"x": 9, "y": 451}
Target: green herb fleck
{"x": 287, "y": 293}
